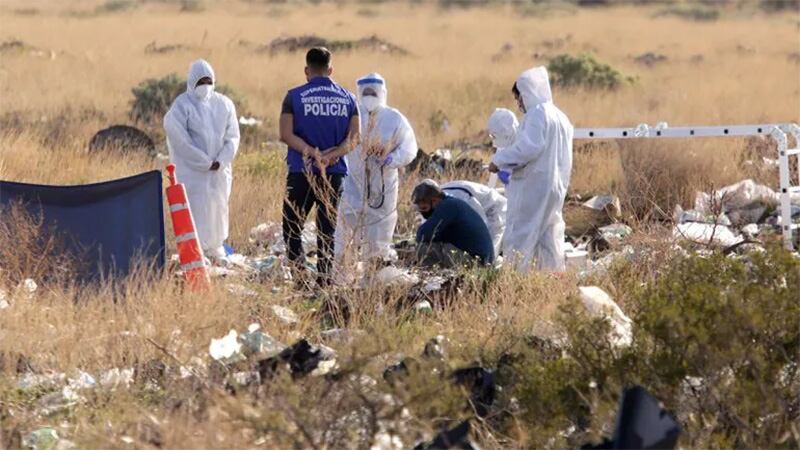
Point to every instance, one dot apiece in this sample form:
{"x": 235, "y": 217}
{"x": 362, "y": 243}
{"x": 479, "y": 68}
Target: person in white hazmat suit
{"x": 540, "y": 161}
{"x": 490, "y": 205}
{"x": 503, "y": 126}
{"x": 203, "y": 138}
{"x": 368, "y": 210}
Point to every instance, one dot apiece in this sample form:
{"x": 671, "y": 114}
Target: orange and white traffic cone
{"x": 189, "y": 251}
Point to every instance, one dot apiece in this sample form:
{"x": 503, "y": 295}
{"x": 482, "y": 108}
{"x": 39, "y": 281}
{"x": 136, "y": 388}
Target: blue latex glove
{"x": 504, "y": 176}
{"x": 388, "y": 160}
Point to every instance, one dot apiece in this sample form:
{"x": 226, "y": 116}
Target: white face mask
{"x": 203, "y": 92}
{"x": 370, "y": 102}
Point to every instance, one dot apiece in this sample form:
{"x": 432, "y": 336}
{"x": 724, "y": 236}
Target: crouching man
{"x": 453, "y": 234}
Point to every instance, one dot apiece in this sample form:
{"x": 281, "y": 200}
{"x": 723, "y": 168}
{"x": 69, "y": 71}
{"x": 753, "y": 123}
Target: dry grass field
{"x": 76, "y": 75}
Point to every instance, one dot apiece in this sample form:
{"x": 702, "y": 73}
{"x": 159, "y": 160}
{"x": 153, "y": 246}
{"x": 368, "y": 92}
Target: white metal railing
{"x": 776, "y": 131}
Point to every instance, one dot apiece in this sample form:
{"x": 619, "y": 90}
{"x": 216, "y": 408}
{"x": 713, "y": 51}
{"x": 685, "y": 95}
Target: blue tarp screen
{"x": 110, "y": 226}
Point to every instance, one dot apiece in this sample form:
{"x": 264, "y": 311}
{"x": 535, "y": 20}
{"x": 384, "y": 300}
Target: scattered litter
{"x": 705, "y": 233}
{"x": 82, "y": 381}
{"x": 433, "y": 284}
{"x": 258, "y": 343}
{"x": 33, "y": 380}
{"x": 246, "y": 378}
{"x": 603, "y": 202}
{"x": 481, "y": 383}
{"x": 341, "y": 335}
{"x": 599, "y": 304}
{"x": 615, "y": 232}
{"x": 250, "y": 121}
{"x": 434, "y": 348}
{"x": 226, "y": 349}
{"x": 127, "y": 440}
{"x": 392, "y": 276}
{"x": 576, "y": 259}
{"x": 455, "y": 438}
{"x": 735, "y": 196}
{"x": 423, "y": 307}
{"x": 286, "y": 315}
{"x": 58, "y": 401}
{"x": 302, "y": 359}
{"x": 241, "y": 291}
{"x": 116, "y": 378}
{"x": 41, "y": 439}
{"x": 750, "y": 230}
{"x": 386, "y": 441}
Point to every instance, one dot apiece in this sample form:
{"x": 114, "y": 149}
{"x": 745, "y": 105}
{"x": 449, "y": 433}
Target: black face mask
{"x": 427, "y": 214}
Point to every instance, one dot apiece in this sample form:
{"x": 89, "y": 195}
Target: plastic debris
{"x": 302, "y": 359}
{"x": 226, "y": 349}
{"x": 116, "y": 378}
{"x": 285, "y": 315}
{"x": 599, "y": 304}
{"x": 641, "y": 423}
{"x": 455, "y": 438}
{"x": 41, "y": 439}
{"x": 735, "y": 196}
{"x": 423, "y": 306}
{"x": 480, "y": 382}
{"x": 386, "y": 441}
{"x": 750, "y": 230}
{"x": 59, "y": 401}
{"x": 82, "y": 381}
{"x": 249, "y": 121}
{"x": 434, "y": 348}
{"x": 33, "y": 380}
{"x": 608, "y": 203}
{"x": 241, "y": 291}
{"x": 256, "y": 342}
{"x": 576, "y": 259}
{"x": 705, "y": 233}
{"x": 433, "y": 284}
{"x": 615, "y": 232}
{"x": 393, "y": 276}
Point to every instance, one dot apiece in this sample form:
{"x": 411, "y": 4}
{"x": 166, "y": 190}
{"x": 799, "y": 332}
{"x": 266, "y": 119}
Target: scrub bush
{"x": 113, "y": 6}
{"x": 153, "y": 97}
{"x": 699, "y": 13}
{"x": 716, "y": 339}
{"x": 584, "y": 70}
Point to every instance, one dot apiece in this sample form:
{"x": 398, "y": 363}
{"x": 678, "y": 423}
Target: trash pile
{"x": 443, "y": 161}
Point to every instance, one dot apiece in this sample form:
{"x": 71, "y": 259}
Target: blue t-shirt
{"x": 321, "y": 111}
{"x": 455, "y": 222}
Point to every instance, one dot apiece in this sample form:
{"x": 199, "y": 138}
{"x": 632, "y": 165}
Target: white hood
{"x": 375, "y": 81}
{"x": 503, "y": 126}
{"x": 534, "y": 86}
{"x": 199, "y": 69}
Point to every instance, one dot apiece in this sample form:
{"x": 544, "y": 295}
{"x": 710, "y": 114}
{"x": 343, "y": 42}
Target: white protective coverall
{"x": 202, "y": 128}
{"x": 540, "y": 160}
{"x": 368, "y": 208}
{"x": 489, "y": 203}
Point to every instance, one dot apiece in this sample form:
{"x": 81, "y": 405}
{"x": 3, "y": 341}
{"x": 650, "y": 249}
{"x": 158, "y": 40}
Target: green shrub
{"x": 113, "y": 6}
{"x": 732, "y": 324}
{"x": 699, "y": 13}
{"x": 584, "y": 70}
{"x": 153, "y": 97}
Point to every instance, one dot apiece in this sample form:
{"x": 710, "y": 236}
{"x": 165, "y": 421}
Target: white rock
{"x": 29, "y": 285}
{"x": 226, "y": 349}
{"x": 386, "y": 441}
{"x": 599, "y": 304}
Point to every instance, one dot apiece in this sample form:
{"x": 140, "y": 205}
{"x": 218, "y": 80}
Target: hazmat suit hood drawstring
{"x": 534, "y": 86}
{"x": 199, "y": 69}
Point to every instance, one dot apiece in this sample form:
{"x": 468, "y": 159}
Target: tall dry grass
{"x": 50, "y": 107}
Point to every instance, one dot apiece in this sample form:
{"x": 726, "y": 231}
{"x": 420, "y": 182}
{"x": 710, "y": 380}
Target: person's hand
{"x": 214, "y": 166}
{"x": 329, "y": 159}
{"x": 493, "y": 168}
{"x": 504, "y": 176}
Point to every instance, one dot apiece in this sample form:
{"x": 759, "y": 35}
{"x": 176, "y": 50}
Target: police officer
{"x": 319, "y": 122}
